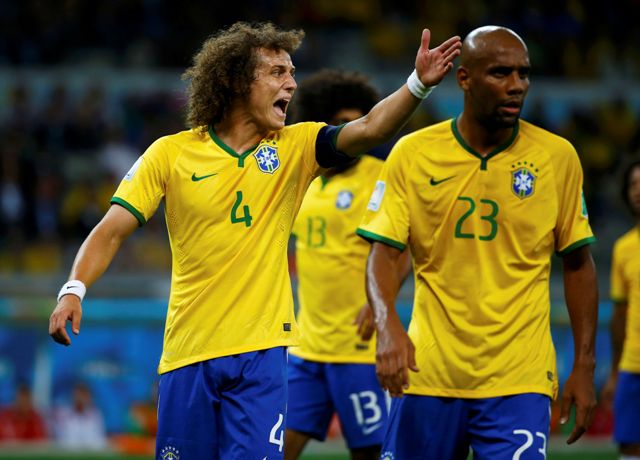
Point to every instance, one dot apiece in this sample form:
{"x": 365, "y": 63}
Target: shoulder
{"x": 555, "y": 144}
{"x": 302, "y": 129}
{"x": 436, "y": 132}
{"x": 173, "y": 144}
{"x": 552, "y": 148}
{"x": 626, "y": 241}
{"x": 413, "y": 146}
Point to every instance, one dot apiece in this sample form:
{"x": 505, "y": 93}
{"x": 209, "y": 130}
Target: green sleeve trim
{"x": 617, "y": 300}
{"x": 334, "y": 143}
{"x": 371, "y": 237}
{"x": 334, "y": 139}
{"x": 131, "y": 209}
{"x": 576, "y": 245}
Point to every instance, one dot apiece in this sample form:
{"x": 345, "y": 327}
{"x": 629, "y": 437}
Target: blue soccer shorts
{"x": 436, "y": 428}
{"x": 626, "y": 409}
{"x": 230, "y": 408}
{"x": 317, "y": 390}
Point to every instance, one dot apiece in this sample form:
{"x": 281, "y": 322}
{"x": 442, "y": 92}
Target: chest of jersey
{"x": 226, "y": 196}
{"x": 508, "y": 200}
{"x": 331, "y": 212}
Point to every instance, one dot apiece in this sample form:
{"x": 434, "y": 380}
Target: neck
{"x": 238, "y": 131}
{"x": 480, "y": 138}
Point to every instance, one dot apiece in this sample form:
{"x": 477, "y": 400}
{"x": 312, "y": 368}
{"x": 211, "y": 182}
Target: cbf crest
{"x": 267, "y": 158}
{"x": 344, "y": 200}
{"x": 169, "y": 453}
{"x": 523, "y": 179}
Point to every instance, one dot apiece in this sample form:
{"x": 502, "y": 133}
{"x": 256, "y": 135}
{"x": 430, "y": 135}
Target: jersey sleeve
{"x": 386, "y": 219}
{"x": 572, "y": 227}
{"x": 144, "y": 186}
{"x": 619, "y": 288}
{"x": 327, "y": 154}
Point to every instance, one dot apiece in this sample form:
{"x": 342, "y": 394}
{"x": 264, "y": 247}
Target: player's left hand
{"x": 432, "y": 65}
{"x": 364, "y": 321}
{"x": 579, "y": 391}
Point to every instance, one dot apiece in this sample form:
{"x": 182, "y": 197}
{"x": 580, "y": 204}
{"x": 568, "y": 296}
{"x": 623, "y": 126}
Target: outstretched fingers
{"x": 449, "y": 53}
{"x": 57, "y": 329}
{"x": 425, "y": 39}
{"x": 449, "y": 45}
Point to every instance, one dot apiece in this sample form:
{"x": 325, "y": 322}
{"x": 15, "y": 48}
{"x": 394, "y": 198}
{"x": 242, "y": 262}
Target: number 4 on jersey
{"x": 246, "y": 217}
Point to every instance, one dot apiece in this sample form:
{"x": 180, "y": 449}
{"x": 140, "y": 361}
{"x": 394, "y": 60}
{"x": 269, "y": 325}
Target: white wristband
{"x": 75, "y": 287}
{"x": 416, "y": 87}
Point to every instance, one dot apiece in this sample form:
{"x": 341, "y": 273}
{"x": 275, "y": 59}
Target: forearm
{"x": 618, "y": 325}
{"x": 581, "y": 295}
{"x": 384, "y": 120}
{"x": 101, "y": 246}
{"x": 384, "y": 278}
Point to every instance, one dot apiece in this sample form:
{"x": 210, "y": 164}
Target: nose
{"x": 290, "y": 84}
{"x": 517, "y": 84}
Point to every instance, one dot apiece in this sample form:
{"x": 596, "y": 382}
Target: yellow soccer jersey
{"x": 331, "y": 262}
{"x": 229, "y": 217}
{"x": 482, "y": 232}
{"x": 625, "y": 287}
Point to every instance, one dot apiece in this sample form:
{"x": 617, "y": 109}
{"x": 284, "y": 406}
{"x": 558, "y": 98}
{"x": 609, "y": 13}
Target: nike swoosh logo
{"x": 196, "y": 178}
{"x": 366, "y": 430}
{"x": 433, "y": 181}
{"x": 69, "y": 287}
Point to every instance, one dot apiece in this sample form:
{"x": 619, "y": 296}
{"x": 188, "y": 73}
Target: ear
{"x": 463, "y": 77}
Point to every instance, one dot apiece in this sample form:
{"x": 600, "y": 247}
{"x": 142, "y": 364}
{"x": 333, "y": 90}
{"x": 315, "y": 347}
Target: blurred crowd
{"x": 568, "y": 38}
{"x": 64, "y": 150}
{"x": 62, "y": 160}
{"x": 76, "y": 424}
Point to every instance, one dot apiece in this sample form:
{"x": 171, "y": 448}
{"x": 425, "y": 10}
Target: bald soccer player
{"x": 483, "y": 201}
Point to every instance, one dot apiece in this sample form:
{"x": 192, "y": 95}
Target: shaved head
{"x": 484, "y": 41}
{"x": 494, "y": 75}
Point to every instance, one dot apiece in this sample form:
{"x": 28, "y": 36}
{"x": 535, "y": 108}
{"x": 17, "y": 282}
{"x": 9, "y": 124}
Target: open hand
{"x": 432, "y": 65}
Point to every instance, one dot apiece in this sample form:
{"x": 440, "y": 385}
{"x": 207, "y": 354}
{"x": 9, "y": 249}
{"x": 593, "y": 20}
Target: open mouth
{"x": 281, "y": 107}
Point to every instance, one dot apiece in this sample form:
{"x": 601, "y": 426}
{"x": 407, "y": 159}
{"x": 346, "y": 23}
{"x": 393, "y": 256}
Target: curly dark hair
{"x": 626, "y": 183}
{"x": 320, "y": 96}
{"x": 224, "y": 68}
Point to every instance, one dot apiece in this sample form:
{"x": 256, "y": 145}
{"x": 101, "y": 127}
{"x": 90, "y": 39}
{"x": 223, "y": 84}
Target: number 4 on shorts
{"x": 279, "y": 440}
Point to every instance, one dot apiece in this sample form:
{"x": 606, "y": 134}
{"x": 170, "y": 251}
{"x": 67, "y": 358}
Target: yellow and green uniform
{"x": 229, "y": 217}
{"x": 482, "y": 232}
{"x": 625, "y": 288}
{"x": 331, "y": 261}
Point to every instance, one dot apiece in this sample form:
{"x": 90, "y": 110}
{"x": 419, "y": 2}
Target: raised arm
{"x": 93, "y": 258}
{"x": 395, "y": 353}
{"x": 581, "y": 295}
{"x": 389, "y": 115}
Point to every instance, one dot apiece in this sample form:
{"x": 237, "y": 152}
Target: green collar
{"x": 494, "y": 152}
{"x": 229, "y": 150}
